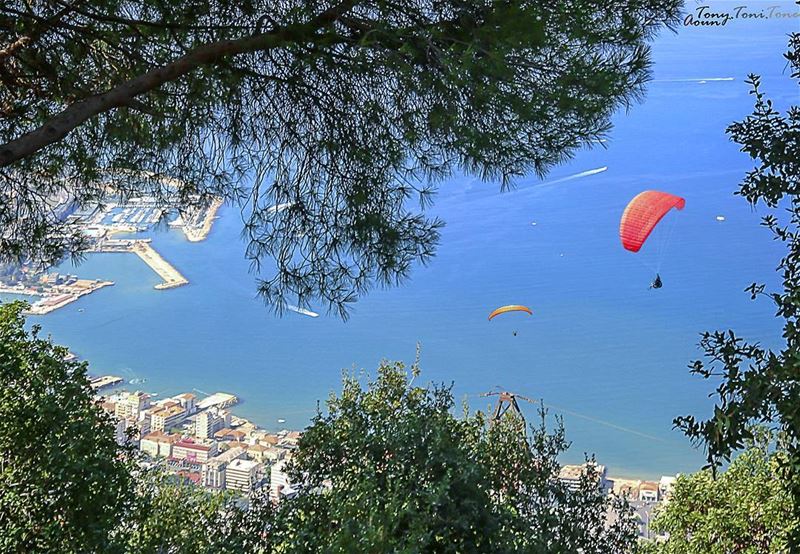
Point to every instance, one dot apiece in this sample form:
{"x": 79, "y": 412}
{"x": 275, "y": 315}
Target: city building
{"x": 188, "y": 401}
{"x": 269, "y": 440}
{"x": 166, "y": 416}
{"x": 242, "y": 475}
{"x": 665, "y": 486}
{"x": 109, "y": 407}
{"x": 230, "y": 435}
{"x": 194, "y": 452}
{"x": 289, "y": 440}
{"x": 571, "y": 475}
{"x": 158, "y": 444}
{"x": 213, "y": 471}
{"x": 213, "y": 474}
{"x": 131, "y": 405}
{"x": 129, "y": 431}
{"x": 280, "y": 486}
{"x": 210, "y": 421}
{"x": 266, "y": 454}
{"x": 648, "y": 491}
{"x": 120, "y": 431}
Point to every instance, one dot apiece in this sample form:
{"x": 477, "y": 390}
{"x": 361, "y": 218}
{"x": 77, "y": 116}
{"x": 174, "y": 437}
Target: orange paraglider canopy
{"x": 510, "y": 308}
{"x": 642, "y": 214}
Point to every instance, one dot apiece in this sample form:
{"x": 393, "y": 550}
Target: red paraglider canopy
{"x": 642, "y": 215}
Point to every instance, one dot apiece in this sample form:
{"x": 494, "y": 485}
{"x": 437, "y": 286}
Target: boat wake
{"x": 280, "y": 207}
{"x": 705, "y": 80}
{"x": 586, "y": 173}
{"x": 302, "y": 311}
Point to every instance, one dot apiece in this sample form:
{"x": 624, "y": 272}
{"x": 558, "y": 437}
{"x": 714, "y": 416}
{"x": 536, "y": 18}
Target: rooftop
{"x": 191, "y": 445}
{"x": 169, "y": 410}
{"x": 242, "y": 465}
{"x": 575, "y": 471}
{"x": 158, "y": 436}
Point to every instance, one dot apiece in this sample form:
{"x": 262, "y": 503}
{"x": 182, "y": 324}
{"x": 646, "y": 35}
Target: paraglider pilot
{"x": 656, "y": 284}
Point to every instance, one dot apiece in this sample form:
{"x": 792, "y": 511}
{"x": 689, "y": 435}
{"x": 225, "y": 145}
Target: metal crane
{"x": 507, "y": 401}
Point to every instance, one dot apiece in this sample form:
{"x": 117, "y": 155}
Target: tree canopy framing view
{"x": 342, "y": 111}
{"x": 330, "y": 127}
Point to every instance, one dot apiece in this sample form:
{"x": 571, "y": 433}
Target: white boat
{"x": 302, "y": 311}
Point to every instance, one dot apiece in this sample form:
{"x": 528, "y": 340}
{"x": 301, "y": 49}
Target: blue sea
{"x": 601, "y": 349}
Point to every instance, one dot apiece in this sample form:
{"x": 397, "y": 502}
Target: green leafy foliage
{"x": 389, "y": 468}
{"x": 758, "y": 384}
{"x": 746, "y": 509}
{"x": 62, "y": 486}
{"x": 174, "y": 517}
{"x": 342, "y": 111}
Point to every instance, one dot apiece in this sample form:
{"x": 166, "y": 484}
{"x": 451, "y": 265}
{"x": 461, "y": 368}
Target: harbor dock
{"x": 99, "y": 383}
{"x": 171, "y": 276}
{"x": 218, "y": 400}
{"x": 141, "y": 247}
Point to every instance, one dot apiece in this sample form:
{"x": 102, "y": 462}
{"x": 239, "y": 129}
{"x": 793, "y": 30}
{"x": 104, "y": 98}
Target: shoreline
{"x": 58, "y": 297}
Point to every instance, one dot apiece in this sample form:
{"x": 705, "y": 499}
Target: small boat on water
{"x": 281, "y": 421}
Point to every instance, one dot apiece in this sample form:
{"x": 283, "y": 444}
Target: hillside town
{"x": 201, "y": 442}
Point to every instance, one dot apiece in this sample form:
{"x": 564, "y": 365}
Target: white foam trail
{"x": 586, "y": 173}
{"x": 280, "y": 207}
{"x": 302, "y": 311}
{"x": 705, "y": 80}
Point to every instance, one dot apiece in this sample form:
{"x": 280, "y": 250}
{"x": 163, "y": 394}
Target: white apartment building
{"x": 131, "y": 405}
{"x": 213, "y": 471}
{"x": 188, "y": 401}
{"x": 124, "y": 426}
{"x": 209, "y": 422}
{"x": 242, "y": 475}
{"x": 570, "y": 475}
{"x": 280, "y": 486}
{"x": 191, "y": 451}
{"x": 213, "y": 474}
{"x": 166, "y": 416}
{"x": 158, "y": 444}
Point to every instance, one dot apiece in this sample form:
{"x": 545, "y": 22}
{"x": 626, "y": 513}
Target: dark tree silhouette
{"x": 339, "y": 111}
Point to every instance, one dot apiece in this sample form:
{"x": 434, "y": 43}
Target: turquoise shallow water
{"x": 600, "y": 344}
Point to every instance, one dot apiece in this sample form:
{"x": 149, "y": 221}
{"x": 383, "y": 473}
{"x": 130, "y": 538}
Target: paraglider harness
{"x": 656, "y": 284}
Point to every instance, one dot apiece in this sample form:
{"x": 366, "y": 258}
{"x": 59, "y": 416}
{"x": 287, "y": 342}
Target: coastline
{"x": 58, "y": 297}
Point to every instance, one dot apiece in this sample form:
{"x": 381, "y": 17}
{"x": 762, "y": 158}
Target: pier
{"x": 170, "y": 276}
{"x": 218, "y": 400}
{"x": 99, "y": 383}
